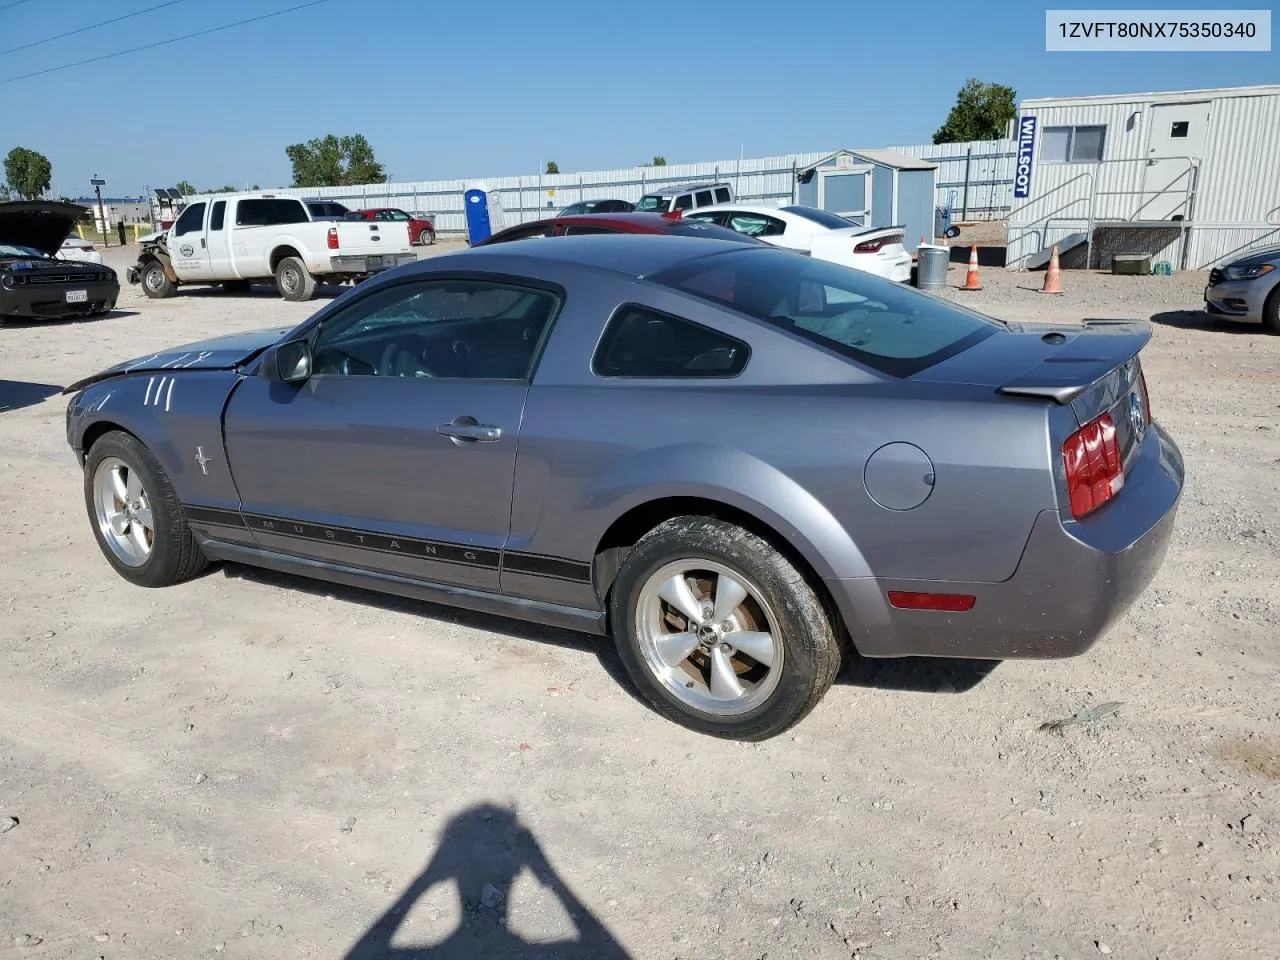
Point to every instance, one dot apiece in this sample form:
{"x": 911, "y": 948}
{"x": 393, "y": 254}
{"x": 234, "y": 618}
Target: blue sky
{"x": 446, "y": 90}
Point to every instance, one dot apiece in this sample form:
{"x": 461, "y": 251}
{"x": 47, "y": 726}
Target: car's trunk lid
{"x": 883, "y": 242}
{"x": 1092, "y": 367}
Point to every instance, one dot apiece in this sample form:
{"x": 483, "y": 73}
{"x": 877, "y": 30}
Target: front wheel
{"x": 294, "y": 280}
{"x": 136, "y": 517}
{"x": 156, "y": 283}
{"x": 720, "y": 632}
{"x": 1271, "y": 312}
{"x": 427, "y": 237}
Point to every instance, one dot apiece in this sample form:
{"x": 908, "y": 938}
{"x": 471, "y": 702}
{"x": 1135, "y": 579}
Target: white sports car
{"x": 822, "y": 235}
{"x": 82, "y": 251}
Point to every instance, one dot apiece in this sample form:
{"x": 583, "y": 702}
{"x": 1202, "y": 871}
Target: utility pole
{"x": 97, "y": 185}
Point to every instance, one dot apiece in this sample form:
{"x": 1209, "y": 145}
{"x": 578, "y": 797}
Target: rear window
{"x": 653, "y": 202}
{"x": 821, "y": 217}
{"x": 881, "y": 324}
{"x": 268, "y": 212}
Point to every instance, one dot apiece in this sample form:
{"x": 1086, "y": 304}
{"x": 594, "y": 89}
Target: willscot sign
{"x": 1026, "y": 151}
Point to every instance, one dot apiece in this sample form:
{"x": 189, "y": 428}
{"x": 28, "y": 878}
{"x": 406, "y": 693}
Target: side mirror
{"x": 952, "y": 232}
{"x": 288, "y": 362}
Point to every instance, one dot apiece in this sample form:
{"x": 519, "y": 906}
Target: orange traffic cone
{"x": 1053, "y": 276}
{"x": 971, "y": 281}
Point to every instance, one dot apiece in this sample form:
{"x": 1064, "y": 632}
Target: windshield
{"x": 653, "y": 203}
{"x": 884, "y": 325}
{"x": 821, "y": 217}
{"x": 18, "y": 250}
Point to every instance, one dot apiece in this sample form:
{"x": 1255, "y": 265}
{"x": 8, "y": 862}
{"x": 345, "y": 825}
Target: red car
{"x": 665, "y": 223}
{"x": 420, "y": 231}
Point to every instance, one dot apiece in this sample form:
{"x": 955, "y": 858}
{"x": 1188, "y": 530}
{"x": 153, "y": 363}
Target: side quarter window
{"x": 646, "y": 344}
{"x": 439, "y": 329}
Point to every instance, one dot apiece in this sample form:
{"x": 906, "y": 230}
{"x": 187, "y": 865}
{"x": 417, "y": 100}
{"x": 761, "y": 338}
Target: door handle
{"x": 468, "y": 429}
{"x": 202, "y": 243}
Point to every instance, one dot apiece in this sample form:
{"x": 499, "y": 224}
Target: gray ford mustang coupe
{"x": 732, "y": 459}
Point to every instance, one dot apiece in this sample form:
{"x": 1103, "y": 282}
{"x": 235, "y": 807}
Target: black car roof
{"x": 631, "y": 254}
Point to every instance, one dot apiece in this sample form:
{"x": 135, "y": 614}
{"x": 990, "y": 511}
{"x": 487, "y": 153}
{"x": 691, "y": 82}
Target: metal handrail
{"x": 1193, "y": 165}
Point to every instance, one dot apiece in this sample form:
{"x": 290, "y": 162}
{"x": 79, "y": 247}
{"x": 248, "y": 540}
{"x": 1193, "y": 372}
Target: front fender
{"x": 736, "y": 479}
{"x": 179, "y": 418}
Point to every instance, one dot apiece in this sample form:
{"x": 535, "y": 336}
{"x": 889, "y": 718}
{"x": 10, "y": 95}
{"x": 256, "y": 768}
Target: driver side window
{"x": 431, "y": 329}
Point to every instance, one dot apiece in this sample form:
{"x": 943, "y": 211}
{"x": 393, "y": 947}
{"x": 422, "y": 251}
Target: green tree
{"x": 27, "y": 173}
{"x": 982, "y": 111}
{"x": 552, "y": 167}
{"x": 334, "y": 162}
{"x": 659, "y": 161}
{"x": 185, "y": 188}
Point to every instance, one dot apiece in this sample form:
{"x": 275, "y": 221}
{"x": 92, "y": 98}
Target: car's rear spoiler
{"x": 1082, "y": 361}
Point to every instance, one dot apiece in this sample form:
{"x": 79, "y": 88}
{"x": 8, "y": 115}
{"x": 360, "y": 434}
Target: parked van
{"x": 685, "y": 196}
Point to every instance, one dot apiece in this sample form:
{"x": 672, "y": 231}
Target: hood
{"x": 42, "y": 224}
{"x": 1256, "y": 258}
{"x": 217, "y": 353}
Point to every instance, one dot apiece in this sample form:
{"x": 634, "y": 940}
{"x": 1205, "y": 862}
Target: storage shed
{"x": 1191, "y": 177}
{"x": 874, "y": 188}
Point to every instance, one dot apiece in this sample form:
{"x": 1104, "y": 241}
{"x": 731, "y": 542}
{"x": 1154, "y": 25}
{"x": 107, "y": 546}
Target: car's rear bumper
{"x": 48, "y": 301}
{"x": 374, "y": 263}
{"x": 1073, "y": 582}
{"x": 1238, "y": 299}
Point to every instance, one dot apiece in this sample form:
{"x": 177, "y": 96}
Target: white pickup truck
{"x": 237, "y": 239}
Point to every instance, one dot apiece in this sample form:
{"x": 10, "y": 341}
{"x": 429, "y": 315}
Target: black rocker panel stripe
{"x": 523, "y": 563}
{"x": 554, "y": 567}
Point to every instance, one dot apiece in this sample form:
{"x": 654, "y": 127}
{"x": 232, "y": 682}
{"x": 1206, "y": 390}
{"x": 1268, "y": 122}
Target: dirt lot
{"x": 252, "y": 766}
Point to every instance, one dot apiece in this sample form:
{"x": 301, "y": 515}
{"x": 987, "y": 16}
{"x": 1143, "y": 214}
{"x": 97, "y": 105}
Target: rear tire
{"x": 427, "y": 237}
{"x": 158, "y": 555}
{"x": 156, "y": 283}
{"x": 760, "y": 655}
{"x": 294, "y": 281}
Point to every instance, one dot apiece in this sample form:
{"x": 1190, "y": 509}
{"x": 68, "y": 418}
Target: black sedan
{"x": 33, "y": 282}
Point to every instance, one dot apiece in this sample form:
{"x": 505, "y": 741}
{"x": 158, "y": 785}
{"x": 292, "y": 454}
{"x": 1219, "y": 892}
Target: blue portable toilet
{"x": 483, "y": 212}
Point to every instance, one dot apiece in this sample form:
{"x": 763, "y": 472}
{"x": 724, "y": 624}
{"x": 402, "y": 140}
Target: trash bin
{"x": 931, "y": 266}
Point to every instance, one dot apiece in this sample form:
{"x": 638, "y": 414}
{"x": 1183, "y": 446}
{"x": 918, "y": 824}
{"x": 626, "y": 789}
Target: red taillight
{"x": 875, "y": 246}
{"x": 1092, "y": 459}
{"x": 948, "y": 602}
{"x": 673, "y": 215}
{"x": 333, "y": 238}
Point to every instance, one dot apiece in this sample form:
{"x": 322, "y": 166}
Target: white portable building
{"x": 1191, "y": 177}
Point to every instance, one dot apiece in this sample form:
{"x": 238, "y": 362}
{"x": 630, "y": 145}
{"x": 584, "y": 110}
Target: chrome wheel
{"x": 123, "y": 511}
{"x": 707, "y": 634}
{"x": 290, "y": 281}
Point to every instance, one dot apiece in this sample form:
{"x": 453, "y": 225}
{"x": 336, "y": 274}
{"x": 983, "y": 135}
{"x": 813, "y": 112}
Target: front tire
{"x": 720, "y": 632}
{"x": 294, "y": 281}
{"x": 135, "y": 514}
{"x": 156, "y": 283}
{"x": 1271, "y": 312}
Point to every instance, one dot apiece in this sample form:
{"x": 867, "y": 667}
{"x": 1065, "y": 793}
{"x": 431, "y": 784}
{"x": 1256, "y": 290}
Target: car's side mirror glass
{"x": 289, "y": 362}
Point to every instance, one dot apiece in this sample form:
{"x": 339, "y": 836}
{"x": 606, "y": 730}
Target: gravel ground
{"x": 249, "y": 765}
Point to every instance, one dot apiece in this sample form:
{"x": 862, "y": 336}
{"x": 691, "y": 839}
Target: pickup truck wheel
{"x": 156, "y": 283}
{"x": 294, "y": 281}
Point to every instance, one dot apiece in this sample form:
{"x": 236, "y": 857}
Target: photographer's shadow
{"x": 483, "y": 851}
